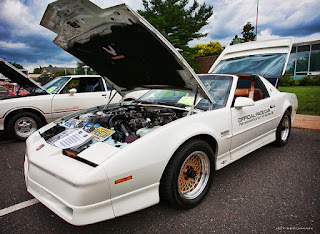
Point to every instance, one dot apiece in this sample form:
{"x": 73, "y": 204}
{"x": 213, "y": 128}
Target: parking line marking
{"x": 19, "y": 206}
{"x": 7, "y": 141}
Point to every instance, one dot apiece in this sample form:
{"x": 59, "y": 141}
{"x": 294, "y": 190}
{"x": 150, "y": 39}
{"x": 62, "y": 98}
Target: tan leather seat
{"x": 241, "y": 93}
{"x": 258, "y": 94}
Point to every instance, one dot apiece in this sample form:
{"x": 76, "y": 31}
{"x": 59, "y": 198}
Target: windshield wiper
{"x": 173, "y": 104}
{"x": 181, "y": 105}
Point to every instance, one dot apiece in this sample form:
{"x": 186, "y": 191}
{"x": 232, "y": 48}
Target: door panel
{"x": 250, "y": 124}
{"x": 90, "y": 92}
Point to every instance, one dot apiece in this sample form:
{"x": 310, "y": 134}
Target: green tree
{"x": 175, "y": 21}
{"x": 236, "y": 40}
{"x": 17, "y": 65}
{"x": 37, "y": 70}
{"x": 80, "y": 70}
{"x": 61, "y": 73}
{"x": 212, "y": 48}
{"x": 247, "y": 32}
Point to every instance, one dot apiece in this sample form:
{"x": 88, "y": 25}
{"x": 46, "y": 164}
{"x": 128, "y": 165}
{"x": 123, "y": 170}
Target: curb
{"x": 306, "y": 122}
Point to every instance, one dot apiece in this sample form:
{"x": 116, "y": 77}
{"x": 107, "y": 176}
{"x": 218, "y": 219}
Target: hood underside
{"x": 121, "y": 46}
{"x": 17, "y": 76}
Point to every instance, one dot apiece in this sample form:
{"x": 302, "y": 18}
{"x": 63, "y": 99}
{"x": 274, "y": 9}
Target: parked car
{"x": 111, "y": 160}
{"x": 21, "y": 115}
{"x": 16, "y": 90}
{"x": 4, "y": 91}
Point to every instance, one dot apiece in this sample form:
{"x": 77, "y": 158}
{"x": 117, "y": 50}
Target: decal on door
{"x": 255, "y": 116}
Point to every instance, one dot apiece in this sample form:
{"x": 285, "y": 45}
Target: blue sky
{"x": 24, "y": 41}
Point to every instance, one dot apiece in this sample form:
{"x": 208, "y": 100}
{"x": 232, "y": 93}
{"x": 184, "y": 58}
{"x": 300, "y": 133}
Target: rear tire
{"x": 188, "y": 175}
{"x": 23, "y": 124}
{"x": 283, "y": 130}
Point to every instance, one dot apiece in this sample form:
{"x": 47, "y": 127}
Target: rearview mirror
{"x": 243, "y": 102}
{"x": 72, "y": 91}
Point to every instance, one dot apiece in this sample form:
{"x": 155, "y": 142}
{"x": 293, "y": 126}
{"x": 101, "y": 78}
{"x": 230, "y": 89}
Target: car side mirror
{"x": 243, "y": 102}
{"x": 72, "y": 91}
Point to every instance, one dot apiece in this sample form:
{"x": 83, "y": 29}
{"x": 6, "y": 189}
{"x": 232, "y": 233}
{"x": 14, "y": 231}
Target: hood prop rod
{"x": 194, "y": 101}
{"x": 110, "y": 98}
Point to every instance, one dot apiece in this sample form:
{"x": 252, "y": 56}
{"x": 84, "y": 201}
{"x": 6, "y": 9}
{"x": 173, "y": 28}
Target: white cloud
{"x": 11, "y": 45}
{"x": 231, "y": 15}
{"x": 134, "y": 4}
{"x": 312, "y": 37}
{"x": 266, "y": 34}
{"x": 288, "y": 13}
{"x": 24, "y": 19}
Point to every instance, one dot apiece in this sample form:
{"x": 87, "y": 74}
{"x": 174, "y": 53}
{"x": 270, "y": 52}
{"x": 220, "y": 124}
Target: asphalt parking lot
{"x": 270, "y": 190}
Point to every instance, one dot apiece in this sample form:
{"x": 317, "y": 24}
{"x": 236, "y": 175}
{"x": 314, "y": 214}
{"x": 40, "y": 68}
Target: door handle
{"x": 272, "y": 106}
{"x": 104, "y": 95}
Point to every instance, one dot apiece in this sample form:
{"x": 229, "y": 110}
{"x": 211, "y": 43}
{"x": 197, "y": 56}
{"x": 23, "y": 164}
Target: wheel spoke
{"x": 25, "y": 126}
{"x": 193, "y": 175}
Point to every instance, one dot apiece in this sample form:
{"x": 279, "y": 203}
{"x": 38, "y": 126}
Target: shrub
{"x": 309, "y": 81}
{"x": 287, "y": 80}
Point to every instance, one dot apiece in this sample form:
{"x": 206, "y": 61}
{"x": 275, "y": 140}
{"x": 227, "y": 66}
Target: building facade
{"x": 304, "y": 59}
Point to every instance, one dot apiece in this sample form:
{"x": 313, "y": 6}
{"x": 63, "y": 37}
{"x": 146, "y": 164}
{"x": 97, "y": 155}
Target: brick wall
{"x": 205, "y": 63}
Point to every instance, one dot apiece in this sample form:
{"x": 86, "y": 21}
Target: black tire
{"x": 23, "y": 124}
{"x": 183, "y": 171}
{"x": 283, "y": 130}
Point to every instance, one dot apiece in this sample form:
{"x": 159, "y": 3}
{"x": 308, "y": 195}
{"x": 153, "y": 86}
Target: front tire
{"x": 188, "y": 175}
{"x": 23, "y": 124}
{"x": 283, "y": 130}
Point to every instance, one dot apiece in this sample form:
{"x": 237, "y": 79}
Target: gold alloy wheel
{"x": 194, "y": 175}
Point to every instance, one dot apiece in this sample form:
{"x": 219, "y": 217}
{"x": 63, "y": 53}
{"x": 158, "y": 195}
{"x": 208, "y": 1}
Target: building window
{"x": 292, "y": 63}
{"x": 303, "y": 58}
{"x": 315, "y": 58}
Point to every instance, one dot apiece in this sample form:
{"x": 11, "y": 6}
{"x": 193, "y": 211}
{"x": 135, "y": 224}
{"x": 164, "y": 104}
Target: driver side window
{"x": 252, "y": 88}
{"x": 73, "y": 83}
{"x": 85, "y": 85}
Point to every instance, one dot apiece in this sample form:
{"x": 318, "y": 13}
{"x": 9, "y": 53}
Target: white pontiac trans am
{"x": 119, "y": 158}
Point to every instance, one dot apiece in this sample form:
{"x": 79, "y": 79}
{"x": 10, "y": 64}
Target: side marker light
{"x": 123, "y": 180}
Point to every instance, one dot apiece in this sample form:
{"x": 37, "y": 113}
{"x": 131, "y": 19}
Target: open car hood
{"x": 121, "y": 46}
{"x": 267, "y": 58}
{"x": 17, "y": 76}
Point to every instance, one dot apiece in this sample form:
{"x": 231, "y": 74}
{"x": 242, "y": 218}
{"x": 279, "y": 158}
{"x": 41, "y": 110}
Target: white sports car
{"x": 115, "y": 159}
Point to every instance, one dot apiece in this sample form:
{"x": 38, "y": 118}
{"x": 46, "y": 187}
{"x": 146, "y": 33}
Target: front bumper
{"x": 76, "y": 215}
{"x": 76, "y": 192}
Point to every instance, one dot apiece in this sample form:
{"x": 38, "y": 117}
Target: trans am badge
{"x": 112, "y": 51}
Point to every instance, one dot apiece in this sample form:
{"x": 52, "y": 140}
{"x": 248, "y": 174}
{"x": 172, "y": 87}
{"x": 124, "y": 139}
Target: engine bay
{"x": 116, "y": 126}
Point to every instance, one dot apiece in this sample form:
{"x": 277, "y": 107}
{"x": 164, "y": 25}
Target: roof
{"x": 53, "y": 70}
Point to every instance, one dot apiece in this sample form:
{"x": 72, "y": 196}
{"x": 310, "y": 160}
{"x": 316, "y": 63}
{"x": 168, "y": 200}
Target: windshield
{"x": 266, "y": 65}
{"x": 218, "y": 87}
{"x": 54, "y": 86}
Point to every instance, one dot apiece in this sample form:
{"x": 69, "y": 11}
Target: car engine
{"x": 115, "y": 126}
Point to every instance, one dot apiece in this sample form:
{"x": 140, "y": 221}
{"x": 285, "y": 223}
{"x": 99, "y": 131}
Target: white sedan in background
{"x": 115, "y": 159}
{"x": 22, "y": 115}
